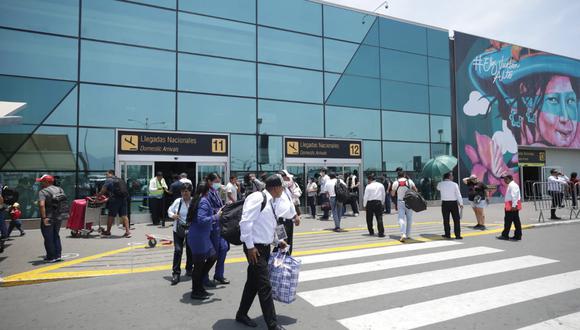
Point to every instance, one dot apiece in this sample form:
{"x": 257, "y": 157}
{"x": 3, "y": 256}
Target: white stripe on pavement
{"x": 375, "y": 251}
{"x": 330, "y": 272}
{"x": 448, "y": 308}
{"x": 369, "y": 289}
{"x": 566, "y": 322}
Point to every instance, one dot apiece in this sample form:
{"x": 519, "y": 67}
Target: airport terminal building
{"x": 238, "y": 86}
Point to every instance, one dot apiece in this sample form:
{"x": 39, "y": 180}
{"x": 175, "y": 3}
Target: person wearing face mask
{"x": 288, "y": 206}
{"x": 221, "y": 246}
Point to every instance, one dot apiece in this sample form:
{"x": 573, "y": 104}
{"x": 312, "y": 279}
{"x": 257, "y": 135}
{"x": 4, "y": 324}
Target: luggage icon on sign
{"x": 129, "y": 142}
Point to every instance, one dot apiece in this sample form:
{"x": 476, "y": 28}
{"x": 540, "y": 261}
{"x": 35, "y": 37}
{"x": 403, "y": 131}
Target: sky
{"x": 548, "y": 25}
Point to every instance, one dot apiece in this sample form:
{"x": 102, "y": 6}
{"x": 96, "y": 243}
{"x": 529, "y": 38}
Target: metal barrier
{"x": 553, "y": 196}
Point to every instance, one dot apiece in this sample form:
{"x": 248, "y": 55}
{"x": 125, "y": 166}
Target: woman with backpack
{"x": 178, "y": 212}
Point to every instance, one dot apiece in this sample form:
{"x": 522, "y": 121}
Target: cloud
{"x": 505, "y": 139}
{"x": 477, "y": 105}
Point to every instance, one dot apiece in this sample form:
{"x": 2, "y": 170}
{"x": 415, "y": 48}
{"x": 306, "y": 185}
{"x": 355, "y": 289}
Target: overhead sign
{"x": 532, "y": 157}
{"x": 322, "y": 148}
{"x": 171, "y": 143}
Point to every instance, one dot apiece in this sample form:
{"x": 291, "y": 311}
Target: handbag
{"x": 509, "y": 208}
{"x": 284, "y": 271}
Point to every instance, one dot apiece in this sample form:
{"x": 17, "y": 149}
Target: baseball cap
{"x": 45, "y": 177}
{"x": 286, "y": 173}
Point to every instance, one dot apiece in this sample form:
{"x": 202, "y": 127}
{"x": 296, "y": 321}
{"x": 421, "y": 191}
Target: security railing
{"x": 553, "y": 196}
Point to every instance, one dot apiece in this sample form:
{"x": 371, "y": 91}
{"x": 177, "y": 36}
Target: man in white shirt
{"x": 287, "y": 207}
{"x": 258, "y": 228}
{"x": 232, "y": 189}
{"x": 334, "y": 204}
{"x": 556, "y": 183}
{"x": 373, "y": 199}
{"x": 512, "y": 212}
{"x": 398, "y": 190}
{"x": 451, "y": 200}
{"x": 324, "y": 178}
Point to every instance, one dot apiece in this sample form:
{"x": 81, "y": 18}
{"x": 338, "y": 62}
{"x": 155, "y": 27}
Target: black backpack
{"x": 414, "y": 201}
{"x": 10, "y": 195}
{"x": 230, "y": 220}
{"x": 58, "y": 204}
{"x": 341, "y": 192}
{"x": 119, "y": 188}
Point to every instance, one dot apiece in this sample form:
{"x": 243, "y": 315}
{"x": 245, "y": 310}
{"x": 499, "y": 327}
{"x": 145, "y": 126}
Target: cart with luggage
{"x": 84, "y": 213}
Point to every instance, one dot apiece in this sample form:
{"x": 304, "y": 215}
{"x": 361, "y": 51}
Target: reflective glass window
{"x": 37, "y": 55}
{"x": 403, "y": 66}
{"x": 240, "y": 10}
{"x": 403, "y": 36}
{"x": 270, "y": 156}
{"x": 338, "y": 54}
{"x": 243, "y": 152}
{"x": 66, "y": 111}
{"x": 212, "y": 113}
{"x": 281, "y": 47}
{"x": 440, "y": 129}
{"x": 350, "y": 25}
{"x": 353, "y": 123}
{"x": 126, "y": 107}
{"x": 214, "y": 36}
{"x": 330, "y": 81}
{"x": 440, "y": 100}
{"x": 439, "y": 72}
{"x": 124, "y": 65}
{"x": 287, "y": 118}
{"x": 354, "y": 91}
{"x": 96, "y": 149}
{"x": 216, "y": 75}
{"x": 405, "y": 155}
{"x": 372, "y": 155}
{"x": 439, "y": 149}
{"x": 289, "y": 84}
{"x": 352, "y": 59}
{"x": 403, "y": 96}
{"x": 401, "y": 126}
{"x": 159, "y": 3}
{"x": 295, "y": 15}
{"x": 128, "y": 23}
{"x": 53, "y": 16}
{"x": 438, "y": 43}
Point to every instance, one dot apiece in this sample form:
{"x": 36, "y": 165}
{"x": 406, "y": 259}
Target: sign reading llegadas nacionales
{"x": 532, "y": 157}
{"x": 322, "y": 148}
{"x": 171, "y": 143}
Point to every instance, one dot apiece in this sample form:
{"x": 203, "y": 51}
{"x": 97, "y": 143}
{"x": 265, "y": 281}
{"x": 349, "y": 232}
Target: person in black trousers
{"x": 373, "y": 202}
{"x": 512, "y": 210}
{"x": 451, "y": 201}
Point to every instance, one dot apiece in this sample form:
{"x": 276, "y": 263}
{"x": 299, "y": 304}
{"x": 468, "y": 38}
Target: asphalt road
{"x": 465, "y": 284}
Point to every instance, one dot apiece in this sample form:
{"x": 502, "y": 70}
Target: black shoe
{"x": 246, "y": 320}
{"x": 482, "y": 227}
{"x": 381, "y": 235}
{"x": 555, "y": 218}
{"x": 174, "y": 279}
{"x": 22, "y": 233}
{"x": 446, "y": 236}
{"x": 221, "y": 280}
{"x": 371, "y": 233}
{"x": 503, "y": 238}
{"x": 188, "y": 273}
{"x": 458, "y": 237}
{"x": 515, "y": 238}
{"x": 199, "y": 296}
{"x": 207, "y": 293}
{"x": 476, "y": 226}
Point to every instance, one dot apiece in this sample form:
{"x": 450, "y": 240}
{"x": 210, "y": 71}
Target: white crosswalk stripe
{"x": 566, "y": 322}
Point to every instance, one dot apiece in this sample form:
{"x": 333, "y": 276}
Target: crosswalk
{"x": 342, "y": 278}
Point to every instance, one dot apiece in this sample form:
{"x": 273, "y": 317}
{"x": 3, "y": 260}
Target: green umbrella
{"x": 436, "y": 167}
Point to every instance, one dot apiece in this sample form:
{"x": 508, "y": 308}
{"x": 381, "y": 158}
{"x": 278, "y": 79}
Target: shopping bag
{"x": 508, "y": 206}
{"x": 284, "y": 272}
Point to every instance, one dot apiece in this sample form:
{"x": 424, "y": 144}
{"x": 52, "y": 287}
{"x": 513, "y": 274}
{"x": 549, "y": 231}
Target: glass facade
{"x": 256, "y": 69}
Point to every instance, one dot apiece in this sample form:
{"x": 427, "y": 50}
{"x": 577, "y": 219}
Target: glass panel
{"x": 280, "y": 47}
{"x": 213, "y": 113}
{"x": 96, "y": 149}
{"x": 203, "y": 170}
{"x": 48, "y": 149}
{"x": 24, "y": 183}
{"x": 338, "y": 54}
{"x": 216, "y": 75}
{"x": 361, "y": 60}
{"x": 37, "y": 55}
{"x": 353, "y": 91}
{"x": 90, "y": 183}
{"x": 66, "y": 112}
{"x": 124, "y": 65}
{"x": 440, "y": 129}
{"x": 126, "y": 107}
{"x": 404, "y": 96}
{"x": 372, "y": 155}
{"x": 241, "y": 10}
{"x": 438, "y": 149}
{"x": 353, "y": 123}
{"x": 438, "y": 43}
{"x": 350, "y": 25}
{"x": 440, "y": 100}
{"x": 128, "y": 23}
{"x": 439, "y": 72}
{"x": 289, "y": 84}
{"x": 400, "y": 126}
{"x": 403, "y": 36}
{"x": 160, "y": 3}
{"x": 296, "y": 118}
{"x": 52, "y": 16}
{"x": 296, "y": 15}
{"x": 403, "y": 66}
{"x": 410, "y": 156}
{"x": 243, "y": 152}
{"x": 137, "y": 177}
{"x": 270, "y": 153}
{"x": 214, "y": 36}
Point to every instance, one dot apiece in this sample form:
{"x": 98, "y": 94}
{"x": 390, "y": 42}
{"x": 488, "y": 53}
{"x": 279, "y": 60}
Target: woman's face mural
{"x": 558, "y": 116}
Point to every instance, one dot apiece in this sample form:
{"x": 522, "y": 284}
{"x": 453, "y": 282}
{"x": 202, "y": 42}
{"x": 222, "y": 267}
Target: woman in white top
{"x": 178, "y": 212}
{"x": 311, "y": 191}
